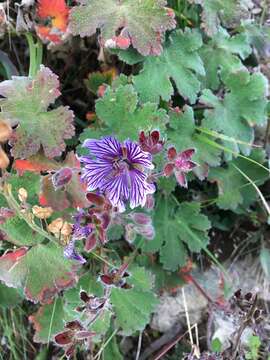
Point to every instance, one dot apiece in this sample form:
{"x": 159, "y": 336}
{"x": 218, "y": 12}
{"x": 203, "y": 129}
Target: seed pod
{"x": 60, "y": 226}
{"x": 42, "y": 212}
{"x": 4, "y": 160}
{"x": 22, "y": 195}
{"x": 5, "y": 131}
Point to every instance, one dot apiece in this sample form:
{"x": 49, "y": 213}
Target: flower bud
{"x": 141, "y": 218}
{"x": 61, "y": 178}
{"x": 22, "y": 195}
{"x": 5, "y": 131}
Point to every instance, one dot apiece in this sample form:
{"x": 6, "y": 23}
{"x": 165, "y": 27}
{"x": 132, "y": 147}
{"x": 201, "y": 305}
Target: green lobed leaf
{"x": 139, "y": 301}
{"x": 180, "y": 61}
{"x": 9, "y": 297}
{"x": 41, "y": 271}
{"x": 244, "y": 105}
{"x": 183, "y": 135}
{"x": 178, "y": 228}
{"x": 216, "y": 12}
{"x": 222, "y": 55}
{"x": 234, "y": 190}
{"x": 25, "y": 104}
{"x": 144, "y": 22}
{"x": 123, "y": 117}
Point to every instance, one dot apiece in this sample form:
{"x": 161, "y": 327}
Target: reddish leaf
{"x": 143, "y": 23}
{"x": 25, "y": 103}
{"x": 36, "y": 163}
{"x": 41, "y": 271}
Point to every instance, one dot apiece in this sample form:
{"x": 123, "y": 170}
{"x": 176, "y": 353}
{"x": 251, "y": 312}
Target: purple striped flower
{"x": 119, "y": 170}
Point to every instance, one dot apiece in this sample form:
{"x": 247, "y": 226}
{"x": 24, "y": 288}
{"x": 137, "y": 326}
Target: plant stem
{"x": 15, "y": 206}
{"x": 36, "y": 51}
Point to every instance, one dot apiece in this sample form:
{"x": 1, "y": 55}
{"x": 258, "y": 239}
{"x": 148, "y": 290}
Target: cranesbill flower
{"x": 180, "y": 164}
{"x": 119, "y": 170}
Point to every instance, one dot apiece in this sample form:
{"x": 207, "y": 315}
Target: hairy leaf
{"x": 221, "y": 56}
{"x": 9, "y": 297}
{"x": 216, "y": 12}
{"x": 142, "y": 22}
{"x": 178, "y": 228}
{"x": 235, "y": 192}
{"x": 41, "y": 271}
{"x": 182, "y": 135}
{"x": 180, "y": 62}
{"x": 25, "y": 104}
{"x": 16, "y": 229}
{"x": 123, "y": 117}
{"x": 138, "y": 301}
{"x": 243, "y": 105}
{"x": 48, "y": 321}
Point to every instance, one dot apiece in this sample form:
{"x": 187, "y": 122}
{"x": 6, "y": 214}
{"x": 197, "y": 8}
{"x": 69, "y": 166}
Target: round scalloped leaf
{"x": 143, "y": 22}
{"x": 25, "y": 104}
{"x": 180, "y": 62}
{"x": 139, "y": 301}
{"x": 42, "y": 271}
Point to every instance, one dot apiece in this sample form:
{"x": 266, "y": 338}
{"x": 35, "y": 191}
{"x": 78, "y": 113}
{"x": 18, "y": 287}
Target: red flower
{"x": 179, "y": 164}
{"x": 54, "y": 17}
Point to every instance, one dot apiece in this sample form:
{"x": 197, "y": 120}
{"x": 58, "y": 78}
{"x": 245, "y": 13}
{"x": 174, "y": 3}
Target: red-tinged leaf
{"x": 48, "y": 321}
{"x": 72, "y": 195}
{"x": 36, "y": 163}
{"x": 143, "y": 23}
{"x": 57, "y": 12}
{"x": 25, "y": 103}
{"x": 41, "y": 271}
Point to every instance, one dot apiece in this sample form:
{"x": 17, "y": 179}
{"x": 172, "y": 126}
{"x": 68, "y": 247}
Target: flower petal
{"x": 181, "y": 178}
{"x": 106, "y": 148}
{"x": 136, "y": 156}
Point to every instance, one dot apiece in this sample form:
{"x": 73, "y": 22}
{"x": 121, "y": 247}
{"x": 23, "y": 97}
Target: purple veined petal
{"x": 181, "y": 178}
{"x": 95, "y": 174}
{"x": 106, "y": 148}
{"x": 70, "y": 253}
{"x": 139, "y": 188}
{"x": 117, "y": 189}
{"x": 136, "y": 156}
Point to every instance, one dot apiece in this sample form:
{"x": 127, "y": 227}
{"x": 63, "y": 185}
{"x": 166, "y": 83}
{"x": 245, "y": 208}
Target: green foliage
{"x": 244, "y": 105}
{"x": 40, "y": 271}
{"x": 180, "y": 62}
{"x": 224, "y": 53}
{"x": 234, "y": 190}
{"x": 144, "y": 22}
{"x": 25, "y": 103}
{"x": 216, "y": 12}
{"x": 48, "y": 321}
{"x": 178, "y": 227}
{"x": 9, "y": 297}
{"x": 124, "y": 117}
{"x": 16, "y": 229}
{"x": 138, "y": 301}
{"x": 183, "y": 135}
{"x": 254, "y": 347}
